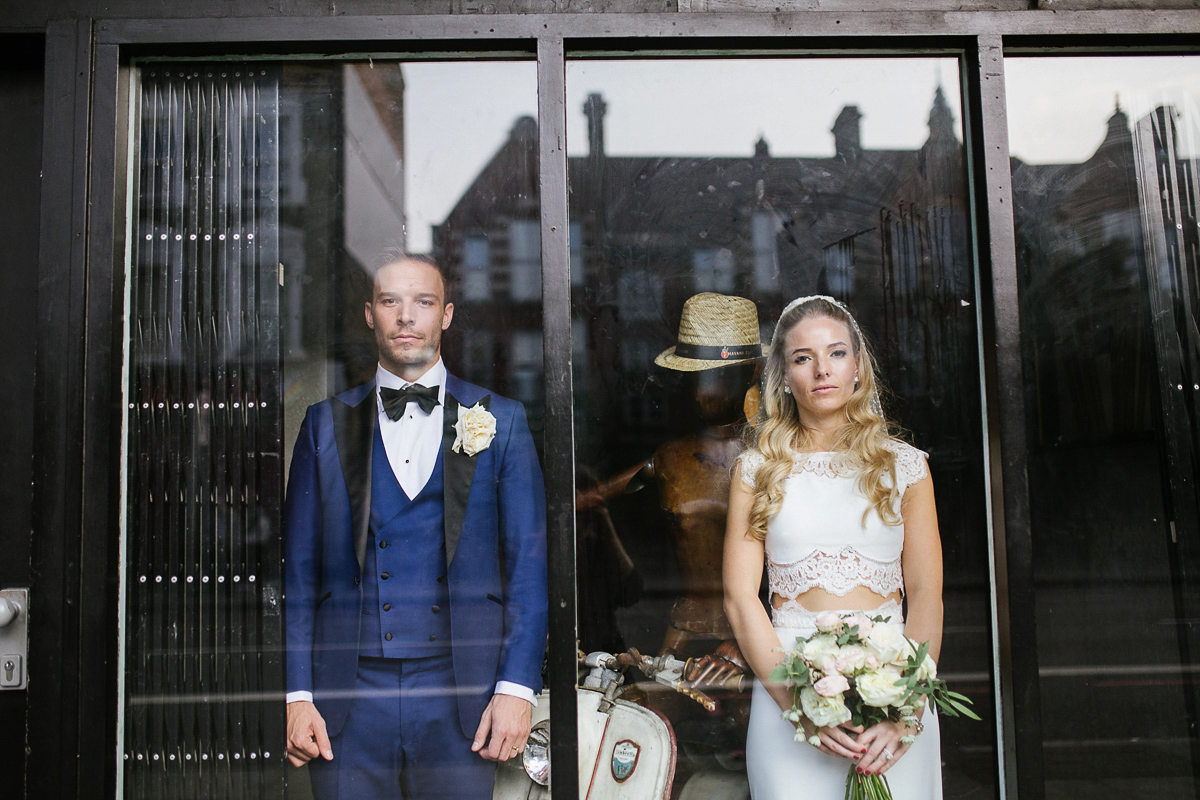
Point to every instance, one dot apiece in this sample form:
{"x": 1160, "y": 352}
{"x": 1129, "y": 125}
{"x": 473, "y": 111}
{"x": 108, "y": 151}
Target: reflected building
{"x": 490, "y": 245}
{"x": 880, "y": 229}
{"x": 1089, "y": 354}
{"x": 1082, "y": 260}
{"x": 1112, "y": 511}
{"x": 341, "y": 203}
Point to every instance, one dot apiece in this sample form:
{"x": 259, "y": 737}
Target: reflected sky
{"x": 458, "y": 114}
{"x": 1058, "y": 107}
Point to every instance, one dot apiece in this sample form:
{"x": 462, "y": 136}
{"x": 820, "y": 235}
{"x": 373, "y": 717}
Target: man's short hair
{"x": 394, "y": 255}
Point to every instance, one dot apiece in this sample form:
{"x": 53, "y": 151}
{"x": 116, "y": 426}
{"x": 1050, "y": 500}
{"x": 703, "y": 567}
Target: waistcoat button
{"x": 387, "y": 636}
{"x": 433, "y": 637}
{"x": 382, "y": 545}
{"x": 384, "y": 575}
{"x": 387, "y": 606}
{"x": 436, "y": 609}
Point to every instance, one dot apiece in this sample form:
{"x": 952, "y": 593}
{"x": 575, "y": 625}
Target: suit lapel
{"x": 458, "y": 474}
{"x": 354, "y": 431}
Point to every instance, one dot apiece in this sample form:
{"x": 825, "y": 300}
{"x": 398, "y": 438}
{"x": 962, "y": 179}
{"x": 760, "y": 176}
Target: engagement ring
{"x": 887, "y": 754}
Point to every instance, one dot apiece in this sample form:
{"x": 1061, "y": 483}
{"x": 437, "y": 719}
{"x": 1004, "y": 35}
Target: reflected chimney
{"x": 594, "y": 107}
{"x": 761, "y": 148}
{"x": 846, "y": 136}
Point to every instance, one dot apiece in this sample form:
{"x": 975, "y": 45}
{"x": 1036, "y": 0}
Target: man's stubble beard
{"x": 414, "y": 356}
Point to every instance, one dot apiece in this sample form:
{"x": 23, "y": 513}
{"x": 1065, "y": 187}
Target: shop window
{"x": 264, "y": 198}
{"x": 743, "y": 179}
{"x": 1106, "y": 219}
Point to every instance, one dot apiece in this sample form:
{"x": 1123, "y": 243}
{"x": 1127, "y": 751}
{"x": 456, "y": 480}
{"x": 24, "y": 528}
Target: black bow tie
{"x": 394, "y": 400}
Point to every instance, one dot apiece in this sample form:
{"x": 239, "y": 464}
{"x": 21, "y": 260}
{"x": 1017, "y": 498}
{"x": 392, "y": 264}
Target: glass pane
{"x": 756, "y": 182}
{"x": 203, "y": 421}
{"x": 291, "y": 221}
{"x": 1106, "y": 224}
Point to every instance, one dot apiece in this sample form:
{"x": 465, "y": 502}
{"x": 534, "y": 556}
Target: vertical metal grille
{"x": 203, "y": 666}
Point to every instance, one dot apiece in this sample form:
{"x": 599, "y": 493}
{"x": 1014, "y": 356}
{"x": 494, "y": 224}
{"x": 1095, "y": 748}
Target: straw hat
{"x": 715, "y": 330}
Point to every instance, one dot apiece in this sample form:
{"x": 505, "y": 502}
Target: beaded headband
{"x": 873, "y": 401}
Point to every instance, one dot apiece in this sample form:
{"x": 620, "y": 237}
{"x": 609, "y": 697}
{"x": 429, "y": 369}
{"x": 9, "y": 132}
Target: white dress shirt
{"x": 412, "y": 444}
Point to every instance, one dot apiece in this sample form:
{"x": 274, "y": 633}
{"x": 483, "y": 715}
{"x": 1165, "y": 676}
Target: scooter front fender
{"x": 626, "y": 753}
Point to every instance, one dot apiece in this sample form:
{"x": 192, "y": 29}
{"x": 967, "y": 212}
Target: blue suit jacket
{"x": 495, "y": 550}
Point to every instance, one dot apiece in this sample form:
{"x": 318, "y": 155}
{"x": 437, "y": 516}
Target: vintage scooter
{"x": 626, "y": 750}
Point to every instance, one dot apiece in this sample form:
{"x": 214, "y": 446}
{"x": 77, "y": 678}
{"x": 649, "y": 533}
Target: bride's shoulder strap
{"x": 911, "y": 463}
{"x": 750, "y": 461}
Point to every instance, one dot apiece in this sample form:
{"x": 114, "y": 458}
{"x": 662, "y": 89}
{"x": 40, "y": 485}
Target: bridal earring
{"x": 787, "y": 389}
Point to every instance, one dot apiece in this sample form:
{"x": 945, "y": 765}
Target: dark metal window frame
{"x": 81, "y": 301}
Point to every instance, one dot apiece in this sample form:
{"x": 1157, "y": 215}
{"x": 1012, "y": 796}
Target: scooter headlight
{"x": 536, "y": 758}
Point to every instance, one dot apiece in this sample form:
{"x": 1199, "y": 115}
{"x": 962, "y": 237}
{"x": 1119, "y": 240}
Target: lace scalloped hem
{"x": 792, "y": 615}
{"x": 838, "y": 572}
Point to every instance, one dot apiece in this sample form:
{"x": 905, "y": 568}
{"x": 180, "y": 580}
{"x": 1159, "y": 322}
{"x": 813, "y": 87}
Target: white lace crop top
{"x": 817, "y": 540}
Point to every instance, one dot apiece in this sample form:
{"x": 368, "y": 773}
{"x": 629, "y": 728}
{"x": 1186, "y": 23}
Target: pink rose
{"x": 828, "y": 621}
{"x": 829, "y": 665}
{"x": 831, "y": 685}
{"x": 863, "y": 622}
{"x": 851, "y": 658}
{"x": 872, "y": 662}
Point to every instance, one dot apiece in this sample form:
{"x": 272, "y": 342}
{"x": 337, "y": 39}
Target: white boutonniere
{"x": 475, "y": 429}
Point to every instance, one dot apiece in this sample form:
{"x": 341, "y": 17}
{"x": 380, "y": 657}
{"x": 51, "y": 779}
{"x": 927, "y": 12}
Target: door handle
{"x": 14, "y": 638}
{"x": 10, "y": 609}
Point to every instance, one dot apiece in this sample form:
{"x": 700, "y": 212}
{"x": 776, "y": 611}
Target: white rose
{"x": 879, "y": 688}
{"x": 888, "y": 643}
{"x": 928, "y": 669}
{"x": 823, "y": 711}
{"x": 476, "y": 427}
{"x": 819, "y": 648}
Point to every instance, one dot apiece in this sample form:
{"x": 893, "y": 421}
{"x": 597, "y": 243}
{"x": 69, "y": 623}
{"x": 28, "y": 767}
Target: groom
{"x": 414, "y": 539}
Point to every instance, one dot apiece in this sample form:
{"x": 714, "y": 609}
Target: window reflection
{"x": 739, "y": 178}
{"x": 1105, "y": 221}
{"x": 385, "y": 155}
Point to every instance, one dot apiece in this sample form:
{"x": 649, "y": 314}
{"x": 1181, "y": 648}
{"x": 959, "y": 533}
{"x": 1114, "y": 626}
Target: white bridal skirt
{"x": 780, "y": 768}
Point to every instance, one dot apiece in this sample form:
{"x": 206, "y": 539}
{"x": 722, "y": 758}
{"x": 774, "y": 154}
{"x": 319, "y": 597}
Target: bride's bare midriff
{"x": 860, "y": 598}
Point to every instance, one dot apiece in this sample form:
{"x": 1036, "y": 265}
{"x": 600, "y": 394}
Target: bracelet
{"x": 917, "y": 727}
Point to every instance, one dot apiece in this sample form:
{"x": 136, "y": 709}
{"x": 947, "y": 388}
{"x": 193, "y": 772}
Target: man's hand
{"x": 306, "y": 736}
{"x": 507, "y": 719}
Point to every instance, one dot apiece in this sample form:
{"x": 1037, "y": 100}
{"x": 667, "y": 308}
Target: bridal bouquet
{"x": 862, "y": 670}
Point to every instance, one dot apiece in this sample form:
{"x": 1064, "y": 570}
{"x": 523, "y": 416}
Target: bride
{"x": 844, "y": 516}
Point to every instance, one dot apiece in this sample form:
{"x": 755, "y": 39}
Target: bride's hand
{"x": 839, "y": 740}
{"x": 881, "y": 737}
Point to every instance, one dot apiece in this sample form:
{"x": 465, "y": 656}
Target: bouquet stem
{"x": 866, "y": 787}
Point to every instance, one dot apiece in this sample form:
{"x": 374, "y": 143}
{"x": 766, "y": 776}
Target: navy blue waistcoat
{"x": 406, "y": 601}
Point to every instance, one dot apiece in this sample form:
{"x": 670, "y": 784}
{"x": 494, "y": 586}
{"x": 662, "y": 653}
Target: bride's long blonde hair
{"x": 780, "y": 433}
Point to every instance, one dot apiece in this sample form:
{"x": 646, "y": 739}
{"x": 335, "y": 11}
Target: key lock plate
{"x": 14, "y": 637}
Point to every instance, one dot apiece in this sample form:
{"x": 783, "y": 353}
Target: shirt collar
{"x": 434, "y": 376}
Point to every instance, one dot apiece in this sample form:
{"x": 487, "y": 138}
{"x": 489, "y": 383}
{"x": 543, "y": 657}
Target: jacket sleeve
{"x": 522, "y": 510}
{"x": 302, "y": 523}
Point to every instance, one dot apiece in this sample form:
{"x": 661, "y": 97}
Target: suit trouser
{"x": 402, "y": 738}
